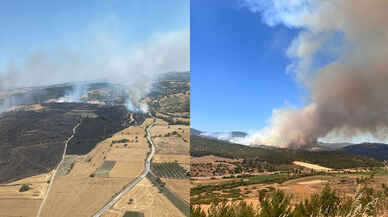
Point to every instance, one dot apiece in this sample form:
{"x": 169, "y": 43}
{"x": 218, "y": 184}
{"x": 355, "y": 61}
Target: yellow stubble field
{"x": 79, "y": 195}
{"x": 26, "y": 203}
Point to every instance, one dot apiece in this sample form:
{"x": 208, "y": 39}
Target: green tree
{"x": 275, "y": 206}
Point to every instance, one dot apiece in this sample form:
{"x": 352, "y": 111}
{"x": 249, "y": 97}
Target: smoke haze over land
{"x": 133, "y": 65}
{"x": 349, "y": 91}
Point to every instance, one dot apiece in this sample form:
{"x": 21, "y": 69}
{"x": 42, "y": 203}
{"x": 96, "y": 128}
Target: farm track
{"x": 137, "y": 180}
{"x": 56, "y": 170}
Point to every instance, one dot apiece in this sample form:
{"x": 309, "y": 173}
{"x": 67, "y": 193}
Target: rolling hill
{"x": 377, "y": 151}
{"x": 202, "y": 146}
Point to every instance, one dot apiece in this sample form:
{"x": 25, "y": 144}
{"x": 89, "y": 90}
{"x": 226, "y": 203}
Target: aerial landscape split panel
{"x": 177, "y": 108}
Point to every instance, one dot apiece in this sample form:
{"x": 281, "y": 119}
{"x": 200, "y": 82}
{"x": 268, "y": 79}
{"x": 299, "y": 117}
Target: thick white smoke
{"x": 133, "y": 65}
{"x": 349, "y": 92}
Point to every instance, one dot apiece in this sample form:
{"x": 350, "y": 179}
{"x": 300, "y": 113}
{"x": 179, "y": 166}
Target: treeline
{"x": 200, "y": 146}
{"x": 367, "y": 203}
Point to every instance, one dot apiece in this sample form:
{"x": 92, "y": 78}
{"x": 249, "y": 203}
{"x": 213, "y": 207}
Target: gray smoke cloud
{"x": 134, "y": 65}
{"x": 349, "y": 92}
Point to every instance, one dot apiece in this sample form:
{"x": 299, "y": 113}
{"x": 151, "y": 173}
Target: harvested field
{"x": 312, "y": 166}
{"x": 83, "y": 196}
{"x": 37, "y": 184}
{"x": 19, "y": 207}
{"x": 173, "y": 198}
{"x": 172, "y": 160}
{"x": 170, "y": 139}
{"x": 70, "y": 193}
{"x": 15, "y": 203}
{"x": 112, "y": 214}
{"x": 104, "y": 169}
{"x": 133, "y": 214}
{"x": 312, "y": 182}
{"x": 147, "y": 199}
{"x": 181, "y": 188}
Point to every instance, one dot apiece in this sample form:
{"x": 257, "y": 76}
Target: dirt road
{"x": 56, "y": 169}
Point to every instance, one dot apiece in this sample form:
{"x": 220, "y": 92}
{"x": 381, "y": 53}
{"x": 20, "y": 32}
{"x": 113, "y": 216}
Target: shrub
{"x": 25, "y": 187}
{"x": 366, "y": 203}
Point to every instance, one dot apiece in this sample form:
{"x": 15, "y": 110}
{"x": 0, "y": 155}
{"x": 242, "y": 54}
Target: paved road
{"x": 55, "y": 172}
{"x": 137, "y": 180}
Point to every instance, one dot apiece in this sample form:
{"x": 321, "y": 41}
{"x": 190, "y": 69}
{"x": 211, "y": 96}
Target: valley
{"x": 224, "y": 172}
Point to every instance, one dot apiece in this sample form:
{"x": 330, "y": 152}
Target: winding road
{"x": 137, "y": 180}
{"x": 56, "y": 169}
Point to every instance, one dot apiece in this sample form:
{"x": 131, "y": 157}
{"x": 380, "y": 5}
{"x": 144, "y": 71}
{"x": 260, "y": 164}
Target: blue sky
{"x": 238, "y": 67}
{"x": 44, "y": 24}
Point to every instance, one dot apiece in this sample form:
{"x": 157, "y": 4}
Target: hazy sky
{"x": 34, "y": 34}
{"x": 238, "y": 68}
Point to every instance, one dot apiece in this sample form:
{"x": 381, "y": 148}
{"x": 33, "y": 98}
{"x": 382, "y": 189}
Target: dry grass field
{"x": 181, "y": 188}
{"x": 302, "y": 188}
{"x": 147, "y": 199}
{"x": 79, "y": 194}
{"x": 26, "y": 203}
{"x": 312, "y": 166}
{"x": 173, "y": 147}
{"x": 171, "y": 139}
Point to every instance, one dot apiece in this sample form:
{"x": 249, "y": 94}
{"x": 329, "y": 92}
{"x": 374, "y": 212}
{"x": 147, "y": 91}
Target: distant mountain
{"x": 238, "y": 134}
{"x": 332, "y": 146}
{"x": 195, "y": 132}
{"x": 225, "y": 136}
{"x": 202, "y": 146}
{"x": 377, "y": 151}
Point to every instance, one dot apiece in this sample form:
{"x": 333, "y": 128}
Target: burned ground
{"x": 94, "y": 129}
{"x": 32, "y": 142}
{"x": 104, "y": 92}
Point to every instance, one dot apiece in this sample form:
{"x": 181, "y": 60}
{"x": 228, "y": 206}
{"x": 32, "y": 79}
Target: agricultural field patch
{"x": 180, "y": 187}
{"x": 19, "y": 207}
{"x": 104, "y": 169}
{"x": 170, "y": 170}
{"x": 133, "y": 214}
{"x": 66, "y": 166}
{"x": 170, "y": 139}
{"x": 148, "y": 199}
{"x": 182, "y": 160}
{"x": 178, "y": 203}
{"x": 70, "y": 193}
